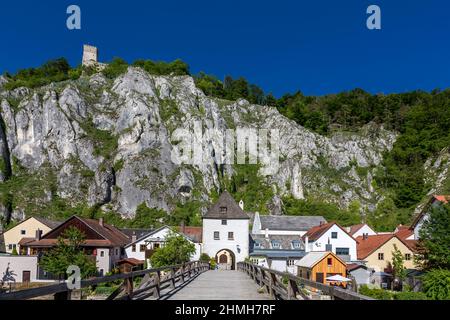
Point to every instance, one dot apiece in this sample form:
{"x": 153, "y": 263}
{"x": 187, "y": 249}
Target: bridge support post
{"x": 172, "y": 276}
{"x": 182, "y": 273}
{"x": 128, "y": 283}
{"x": 292, "y": 290}
{"x": 157, "y": 290}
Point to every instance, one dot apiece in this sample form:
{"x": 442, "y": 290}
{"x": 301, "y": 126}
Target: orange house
{"x": 317, "y": 266}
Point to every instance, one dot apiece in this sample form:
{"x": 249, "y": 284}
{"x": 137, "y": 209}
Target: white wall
{"x": 153, "y": 238}
{"x": 240, "y": 228}
{"x": 103, "y": 263}
{"x": 364, "y": 229}
{"x": 343, "y": 241}
{"x": 18, "y": 264}
{"x": 281, "y": 265}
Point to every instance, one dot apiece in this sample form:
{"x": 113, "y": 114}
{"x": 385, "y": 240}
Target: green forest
{"x": 421, "y": 118}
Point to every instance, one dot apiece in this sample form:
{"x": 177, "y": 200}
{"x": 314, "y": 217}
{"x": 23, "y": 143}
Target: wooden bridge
{"x": 194, "y": 281}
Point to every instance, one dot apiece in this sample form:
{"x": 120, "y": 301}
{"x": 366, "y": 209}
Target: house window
{"x": 258, "y": 245}
{"x": 407, "y": 256}
{"x": 224, "y": 222}
{"x": 329, "y": 261}
{"x": 142, "y": 248}
{"x": 296, "y": 244}
{"x": 342, "y": 251}
{"x": 22, "y": 232}
{"x": 10, "y": 246}
{"x": 133, "y": 248}
{"x": 381, "y": 256}
{"x": 334, "y": 235}
{"x": 102, "y": 253}
{"x": 230, "y": 236}
{"x": 276, "y": 245}
{"x": 290, "y": 262}
{"x": 117, "y": 252}
{"x": 216, "y": 235}
{"x": 223, "y": 210}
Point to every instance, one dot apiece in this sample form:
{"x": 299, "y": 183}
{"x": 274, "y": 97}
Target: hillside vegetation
{"x": 421, "y": 119}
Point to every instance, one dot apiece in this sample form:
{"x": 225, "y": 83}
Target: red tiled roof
{"x": 132, "y": 261}
{"x": 25, "y": 241}
{"x": 355, "y": 228}
{"x": 86, "y": 243}
{"x": 316, "y": 232}
{"x": 369, "y": 244}
{"x": 195, "y": 233}
{"x": 111, "y": 236}
{"x": 442, "y": 198}
{"x": 404, "y": 232}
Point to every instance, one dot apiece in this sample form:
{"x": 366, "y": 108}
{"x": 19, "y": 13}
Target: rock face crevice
{"x": 109, "y": 144}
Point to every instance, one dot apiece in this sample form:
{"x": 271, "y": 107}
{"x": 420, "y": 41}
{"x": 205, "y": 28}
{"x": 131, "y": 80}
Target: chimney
{"x": 38, "y": 235}
{"x": 241, "y": 204}
{"x": 100, "y": 222}
{"x": 321, "y": 223}
{"x": 133, "y": 237}
{"x": 306, "y": 244}
{"x": 365, "y": 236}
{"x": 266, "y": 233}
{"x": 182, "y": 227}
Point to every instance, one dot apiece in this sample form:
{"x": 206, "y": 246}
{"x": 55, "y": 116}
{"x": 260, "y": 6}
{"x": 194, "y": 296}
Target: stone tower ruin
{"x": 90, "y": 56}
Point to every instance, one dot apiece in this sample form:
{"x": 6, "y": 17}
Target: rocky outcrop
{"x": 110, "y": 144}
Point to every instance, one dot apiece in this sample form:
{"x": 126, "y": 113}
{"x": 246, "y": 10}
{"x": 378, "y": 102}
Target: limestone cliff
{"x": 108, "y": 143}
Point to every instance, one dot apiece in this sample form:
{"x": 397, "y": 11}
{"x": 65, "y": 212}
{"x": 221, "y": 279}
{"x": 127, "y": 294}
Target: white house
{"x": 435, "y": 201}
{"x": 360, "y": 229}
{"x": 284, "y": 225}
{"x": 226, "y": 232}
{"x": 142, "y": 248}
{"x": 331, "y": 237}
{"x": 278, "y": 252}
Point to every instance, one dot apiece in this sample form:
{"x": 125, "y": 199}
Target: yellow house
{"x": 26, "y": 230}
{"x": 376, "y": 251}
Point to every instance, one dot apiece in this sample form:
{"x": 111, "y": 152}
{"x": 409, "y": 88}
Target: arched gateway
{"x": 226, "y": 260}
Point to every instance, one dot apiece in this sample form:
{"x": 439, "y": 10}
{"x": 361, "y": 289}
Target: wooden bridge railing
{"x": 286, "y": 286}
{"x": 156, "y": 279}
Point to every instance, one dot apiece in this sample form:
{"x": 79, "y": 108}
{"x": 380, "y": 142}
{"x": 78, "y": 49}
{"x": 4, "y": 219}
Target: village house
{"x": 103, "y": 242}
{"x": 360, "y": 229}
{"x": 331, "y": 237}
{"x": 318, "y": 266}
{"x": 226, "y": 232}
{"x": 278, "y": 252}
{"x": 284, "y": 225}
{"x": 141, "y": 249}
{"x": 25, "y": 231}
{"x": 376, "y": 251}
{"x": 435, "y": 201}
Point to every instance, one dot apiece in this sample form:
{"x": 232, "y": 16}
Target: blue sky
{"x": 318, "y": 47}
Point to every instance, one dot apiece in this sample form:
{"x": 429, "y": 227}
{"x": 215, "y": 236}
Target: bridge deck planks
{"x": 220, "y": 285}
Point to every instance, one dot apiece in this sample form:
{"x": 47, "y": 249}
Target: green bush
{"x": 375, "y": 293}
{"x": 51, "y": 71}
{"x": 204, "y": 257}
{"x": 177, "y": 67}
{"x": 436, "y": 284}
{"x": 115, "y": 68}
{"x": 407, "y": 295}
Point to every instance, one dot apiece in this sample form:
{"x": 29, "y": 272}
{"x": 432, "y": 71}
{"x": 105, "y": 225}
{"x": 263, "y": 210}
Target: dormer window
{"x": 223, "y": 210}
{"x": 276, "y": 244}
{"x": 296, "y": 244}
{"x": 258, "y": 245}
